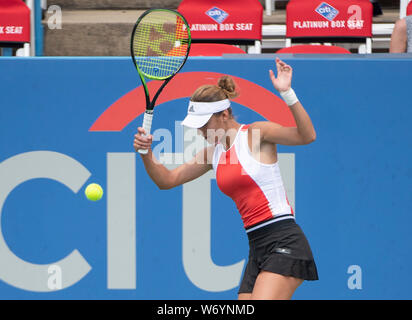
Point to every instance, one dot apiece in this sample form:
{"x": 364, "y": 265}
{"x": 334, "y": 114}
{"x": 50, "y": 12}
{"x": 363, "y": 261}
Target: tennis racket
{"x": 160, "y": 46}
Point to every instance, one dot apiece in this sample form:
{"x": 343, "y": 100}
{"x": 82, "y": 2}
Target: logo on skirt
{"x": 283, "y": 250}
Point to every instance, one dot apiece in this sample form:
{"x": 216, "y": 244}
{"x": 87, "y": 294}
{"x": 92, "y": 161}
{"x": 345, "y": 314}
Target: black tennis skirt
{"x": 280, "y": 247}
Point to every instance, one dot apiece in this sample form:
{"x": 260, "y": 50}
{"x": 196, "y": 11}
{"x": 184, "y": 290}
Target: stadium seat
{"x": 213, "y": 49}
{"x": 308, "y": 48}
{"x": 309, "y": 21}
{"x": 225, "y": 21}
{"x": 15, "y": 26}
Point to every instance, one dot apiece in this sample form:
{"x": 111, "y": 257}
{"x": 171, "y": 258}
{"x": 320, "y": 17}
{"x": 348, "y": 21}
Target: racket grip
{"x": 147, "y": 125}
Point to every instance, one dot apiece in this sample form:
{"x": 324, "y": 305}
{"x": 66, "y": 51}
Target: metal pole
{"x": 38, "y": 28}
{"x": 30, "y": 5}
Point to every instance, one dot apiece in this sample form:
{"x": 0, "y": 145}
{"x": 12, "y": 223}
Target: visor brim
{"x": 196, "y": 121}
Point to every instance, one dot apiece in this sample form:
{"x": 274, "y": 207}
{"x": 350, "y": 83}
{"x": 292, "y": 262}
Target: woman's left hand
{"x": 284, "y": 79}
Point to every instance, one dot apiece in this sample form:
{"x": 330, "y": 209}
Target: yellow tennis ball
{"x": 94, "y": 192}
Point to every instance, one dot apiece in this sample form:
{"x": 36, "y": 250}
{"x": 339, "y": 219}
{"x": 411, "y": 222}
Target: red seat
{"x": 309, "y": 21}
{"x": 15, "y": 22}
{"x": 307, "y": 48}
{"x": 409, "y": 9}
{"x": 223, "y": 21}
{"x": 213, "y": 49}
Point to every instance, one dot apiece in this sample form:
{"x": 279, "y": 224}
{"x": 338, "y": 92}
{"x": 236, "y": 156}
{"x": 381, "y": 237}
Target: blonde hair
{"x": 225, "y": 89}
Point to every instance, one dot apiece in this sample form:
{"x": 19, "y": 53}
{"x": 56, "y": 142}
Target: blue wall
{"x": 352, "y": 185}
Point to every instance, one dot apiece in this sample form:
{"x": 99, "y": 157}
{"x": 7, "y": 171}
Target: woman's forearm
{"x": 282, "y": 84}
{"x": 303, "y": 122}
{"x": 156, "y": 171}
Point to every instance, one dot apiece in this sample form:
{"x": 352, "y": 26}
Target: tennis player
{"x": 247, "y": 170}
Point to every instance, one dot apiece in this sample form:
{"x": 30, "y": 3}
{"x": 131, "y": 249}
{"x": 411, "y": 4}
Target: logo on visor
{"x": 327, "y": 11}
{"x": 191, "y": 109}
{"x": 217, "y": 14}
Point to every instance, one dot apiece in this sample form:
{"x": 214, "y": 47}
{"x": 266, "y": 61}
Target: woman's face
{"x": 213, "y": 131}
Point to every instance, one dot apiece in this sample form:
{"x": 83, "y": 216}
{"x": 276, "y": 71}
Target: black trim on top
{"x": 265, "y": 221}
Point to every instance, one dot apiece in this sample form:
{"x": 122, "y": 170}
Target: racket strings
{"x": 152, "y": 57}
{"x": 160, "y": 44}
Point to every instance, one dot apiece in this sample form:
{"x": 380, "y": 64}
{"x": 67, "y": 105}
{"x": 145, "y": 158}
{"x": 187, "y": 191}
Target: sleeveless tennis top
{"x": 408, "y": 20}
{"x": 256, "y": 188}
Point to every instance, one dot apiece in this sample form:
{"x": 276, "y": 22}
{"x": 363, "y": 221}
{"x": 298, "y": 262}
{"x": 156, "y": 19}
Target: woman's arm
{"x": 273, "y": 132}
{"x": 399, "y": 37}
{"x": 165, "y": 178}
{"x": 304, "y": 132}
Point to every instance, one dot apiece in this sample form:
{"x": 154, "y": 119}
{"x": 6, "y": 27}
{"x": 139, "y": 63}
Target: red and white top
{"x": 256, "y": 188}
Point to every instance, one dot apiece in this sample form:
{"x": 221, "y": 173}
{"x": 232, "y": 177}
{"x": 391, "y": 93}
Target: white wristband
{"x": 289, "y": 97}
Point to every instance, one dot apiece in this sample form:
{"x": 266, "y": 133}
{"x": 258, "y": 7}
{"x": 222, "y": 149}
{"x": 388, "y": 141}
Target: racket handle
{"x": 147, "y": 125}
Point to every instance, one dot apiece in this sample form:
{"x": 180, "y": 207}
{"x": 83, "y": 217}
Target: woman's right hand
{"x": 141, "y": 141}
{"x": 284, "y": 79}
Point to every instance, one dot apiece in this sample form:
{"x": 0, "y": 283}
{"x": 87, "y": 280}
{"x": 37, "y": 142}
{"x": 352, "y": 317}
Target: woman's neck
{"x": 231, "y": 133}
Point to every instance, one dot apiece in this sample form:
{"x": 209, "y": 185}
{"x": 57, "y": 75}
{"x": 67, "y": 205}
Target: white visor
{"x": 199, "y": 113}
